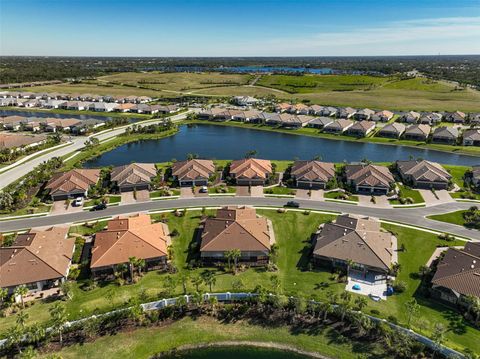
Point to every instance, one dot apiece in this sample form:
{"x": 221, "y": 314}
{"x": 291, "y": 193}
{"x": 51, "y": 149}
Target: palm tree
{"x": 275, "y": 280}
{"x": 350, "y": 264}
{"x": 326, "y": 309}
{"x": 36, "y": 333}
{"x": 141, "y": 264}
{"x": 132, "y": 261}
{"x": 184, "y": 276}
{"x": 67, "y": 290}
{"x": 14, "y": 337}
{"x": 361, "y": 302}
{"x": 412, "y": 309}
{"x": 3, "y": 296}
{"x": 197, "y": 282}
{"x": 59, "y": 317}
{"x": 237, "y": 285}
{"x": 22, "y": 318}
{"x": 474, "y": 307}
{"x": 395, "y": 268}
{"x": 29, "y": 353}
{"x": 21, "y": 291}
{"x": 438, "y": 337}
{"x": 233, "y": 255}
{"x": 209, "y": 278}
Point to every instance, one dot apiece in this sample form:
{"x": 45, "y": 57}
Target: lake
{"x": 57, "y": 115}
{"x": 225, "y": 142}
{"x": 234, "y": 353}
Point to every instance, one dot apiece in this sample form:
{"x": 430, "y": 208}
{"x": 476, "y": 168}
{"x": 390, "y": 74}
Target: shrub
{"x": 392, "y": 319}
{"x": 399, "y": 286}
{"x": 375, "y": 312}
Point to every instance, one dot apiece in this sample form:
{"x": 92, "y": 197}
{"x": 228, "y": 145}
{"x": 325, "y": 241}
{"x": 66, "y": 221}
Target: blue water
{"x": 58, "y": 115}
{"x": 225, "y": 142}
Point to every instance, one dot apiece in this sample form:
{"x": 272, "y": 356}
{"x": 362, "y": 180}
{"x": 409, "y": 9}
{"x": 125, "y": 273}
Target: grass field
{"x": 451, "y": 217}
{"x": 293, "y": 230}
{"x": 414, "y": 194}
{"x": 360, "y": 91}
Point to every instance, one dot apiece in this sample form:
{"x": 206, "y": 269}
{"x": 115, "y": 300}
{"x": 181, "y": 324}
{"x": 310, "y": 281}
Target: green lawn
{"x": 42, "y": 208}
{"x": 463, "y": 195}
{"x": 157, "y": 194}
{"x": 145, "y": 342}
{"x": 217, "y": 189}
{"x": 414, "y": 194}
{"x": 293, "y": 230}
{"x": 280, "y": 190}
{"x": 452, "y": 217}
{"x": 337, "y": 194}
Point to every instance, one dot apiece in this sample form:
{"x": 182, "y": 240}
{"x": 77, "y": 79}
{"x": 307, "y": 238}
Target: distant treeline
{"x": 464, "y": 69}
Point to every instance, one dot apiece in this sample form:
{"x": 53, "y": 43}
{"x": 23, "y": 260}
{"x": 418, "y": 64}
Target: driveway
{"x": 256, "y": 191}
{"x": 380, "y": 201}
{"x": 127, "y": 198}
{"x": 200, "y": 194}
{"x": 316, "y": 194}
{"x": 186, "y": 192}
{"x": 58, "y": 207}
{"x": 430, "y": 199}
{"x": 143, "y": 196}
{"x": 302, "y": 194}
{"x": 242, "y": 191}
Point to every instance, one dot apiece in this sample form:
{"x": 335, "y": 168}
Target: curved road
{"x": 78, "y": 143}
{"x": 410, "y": 216}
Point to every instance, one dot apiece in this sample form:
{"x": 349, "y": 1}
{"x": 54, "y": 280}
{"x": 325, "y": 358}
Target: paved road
{"x": 411, "y": 216}
{"x": 21, "y": 170}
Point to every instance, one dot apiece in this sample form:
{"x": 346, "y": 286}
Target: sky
{"x": 239, "y": 27}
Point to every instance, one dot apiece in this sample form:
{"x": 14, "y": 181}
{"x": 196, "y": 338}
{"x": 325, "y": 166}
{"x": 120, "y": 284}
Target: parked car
{"x": 204, "y": 189}
{"x": 292, "y": 204}
{"x": 78, "y": 202}
{"x": 99, "y": 207}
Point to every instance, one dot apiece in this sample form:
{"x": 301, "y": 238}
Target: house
{"x": 474, "y": 119}
{"x": 456, "y": 117}
{"x": 33, "y": 126}
{"x": 338, "y": 126}
{"x": 369, "y": 179}
{"x": 361, "y": 128}
{"x": 86, "y": 126}
{"x": 252, "y": 116}
{"x": 71, "y": 184}
{"x": 471, "y": 137}
{"x": 356, "y": 244}
{"x": 144, "y": 99}
{"x": 221, "y": 114}
{"x": 167, "y": 109}
{"x": 430, "y": 118}
{"x": 77, "y": 105}
{"x": 275, "y": 119}
{"x": 59, "y": 124}
{"x": 382, "y": 116}
{"x": 127, "y": 237}
{"x": 12, "y": 123}
{"x": 54, "y": 104}
{"x": 423, "y": 174}
{"x": 236, "y": 228}
{"x": 193, "y": 172}
{"x": 245, "y": 100}
{"x": 301, "y": 109}
{"x": 133, "y": 177}
{"x": 312, "y": 174}
{"x": 283, "y": 107}
{"x": 38, "y": 259}
{"x": 102, "y": 106}
{"x": 392, "y": 130}
{"x": 363, "y": 114}
{"x": 328, "y": 111}
{"x": 458, "y": 275}
{"x": 7, "y": 102}
{"x": 320, "y": 122}
{"x": 250, "y": 171}
{"x": 445, "y": 134}
{"x": 316, "y": 110}
{"x": 125, "y": 107}
{"x": 31, "y": 103}
{"x": 346, "y": 112}
{"x": 410, "y": 117}
{"x": 12, "y": 141}
{"x": 297, "y": 121}
{"x": 417, "y": 132}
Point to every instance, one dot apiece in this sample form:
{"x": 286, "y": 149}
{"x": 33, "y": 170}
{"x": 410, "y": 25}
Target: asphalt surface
{"x": 78, "y": 143}
{"x": 410, "y": 216}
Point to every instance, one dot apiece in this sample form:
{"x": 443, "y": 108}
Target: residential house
{"x": 424, "y": 174}
{"x": 320, "y": 122}
{"x": 77, "y": 105}
{"x": 316, "y": 110}
{"x": 127, "y": 237}
{"x": 39, "y": 259}
{"x": 250, "y": 171}
{"x": 458, "y": 275}
{"x": 13, "y": 141}
{"x": 125, "y": 107}
{"x": 54, "y": 104}
{"x": 361, "y": 128}
{"x": 301, "y": 109}
{"x": 474, "y": 119}
{"x": 430, "y": 118}
{"x": 295, "y": 121}
{"x": 59, "y": 124}
{"x": 133, "y": 177}
{"x": 7, "y": 102}
{"x": 338, "y": 126}
{"x": 382, "y": 116}
{"x": 329, "y": 111}
{"x": 283, "y": 107}
{"x": 356, "y": 244}
{"x": 193, "y": 172}
{"x": 33, "y": 126}
{"x": 417, "y": 132}
{"x": 103, "y": 106}
{"x": 12, "y": 123}
{"x": 363, "y": 114}
{"x": 445, "y": 134}
{"x": 312, "y": 174}
{"x": 71, "y": 184}
{"x": 392, "y": 130}
{"x": 167, "y": 109}
{"x": 245, "y": 100}
{"x": 369, "y": 179}
{"x": 236, "y": 228}
{"x": 410, "y": 117}
{"x": 86, "y": 126}
{"x": 346, "y": 112}
{"x": 456, "y": 117}
{"x": 471, "y": 137}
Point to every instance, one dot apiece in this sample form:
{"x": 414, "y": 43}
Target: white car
{"x": 78, "y": 202}
{"x": 204, "y": 189}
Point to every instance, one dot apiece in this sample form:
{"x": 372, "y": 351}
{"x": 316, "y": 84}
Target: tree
{"x": 474, "y": 307}
{"x": 58, "y": 313}
{"x": 184, "y": 276}
{"x": 233, "y": 255}
{"x": 14, "y": 337}
{"x": 209, "y": 279}
{"x": 21, "y": 291}
{"x": 237, "y": 285}
{"x": 3, "y": 296}
{"x": 438, "y": 337}
{"x": 29, "y": 353}
{"x": 423, "y": 270}
{"x": 197, "y": 282}
{"x": 412, "y": 309}
{"x": 6, "y": 201}
{"x": 22, "y": 318}
{"x": 67, "y": 290}
{"x": 275, "y": 280}
{"x": 361, "y": 302}
{"x": 132, "y": 261}
{"x": 170, "y": 284}
{"x": 395, "y": 268}
{"x": 250, "y": 154}
{"x": 36, "y": 333}
{"x": 350, "y": 264}
{"x": 326, "y": 309}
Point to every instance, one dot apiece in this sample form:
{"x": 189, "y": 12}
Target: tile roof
{"x": 395, "y": 127}
{"x": 193, "y": 169}
{"x": 76, "y": 179}
{"x": 127, "y": 237}
{"x": 313, "y": 171}
{"x": 251, "y": 168}
{"x": 369, "y": 175}
{"x": 133, "y": 173}
{"x": 235, "y": 228}
{"x": 422, "y": 170}
{"x": 17, "y": 140}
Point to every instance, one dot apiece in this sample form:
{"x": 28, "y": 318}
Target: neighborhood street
{"x": 410, "y": 216}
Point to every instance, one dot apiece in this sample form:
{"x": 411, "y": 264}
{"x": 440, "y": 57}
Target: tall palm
{"x": 21, "y": 291}
{"x": 326, "y": 308}
{"x": 14, "y": 337}
{"x": 412, "y": 309}
{"x": 132, "y": 261}
{"x": 197, "y": 282}
{"x": 22, "y": 318}
{"x": 361, "y": 302}
{"x": 59, "y": 316}
{"x": 209, "y": 278}
{"x": 36, "y": 333}
{"x": 474, "y": 307}
{"x": 3, "y": 296}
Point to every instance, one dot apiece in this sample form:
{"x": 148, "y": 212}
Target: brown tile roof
{"x": 473, "y": 134}
{"x": 17, "y": 140}
{"x": 129, "y": 237}
{"x": 12, "y": 119}
{"x": 36, "y": 256}
{"x": 313, "y": 171}
{"x": 126, "y": 106}
{"x": 251, "y": 168}
{"x": 76, "y": 179}
{"x": 235, "y": 228}
{"x": 445, "y": 132}
{"x": 193, "y": 169}
{"x": 459, "y": 270}
{"x": 370, "y": 175}
{"x": 133, "y": 173}
{"x": 340, "y": 124}
{"x": 421, "y": 129}
{"x": 423, "y": 171}
{"x": 363, "y": 125}
{"x": 396, "y": 127}
{"x": 357, "y": 239}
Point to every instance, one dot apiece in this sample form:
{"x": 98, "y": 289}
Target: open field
{"x": 293, "y": 230}
{"x": 452, "y": 217}
{"x": 360, "y": 91}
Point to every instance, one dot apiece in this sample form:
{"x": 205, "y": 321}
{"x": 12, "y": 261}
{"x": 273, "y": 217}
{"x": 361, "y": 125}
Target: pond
{"x": 4, "y": 113}
{"x": 225, "y": 142}
{"x": 234, "y": 353}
